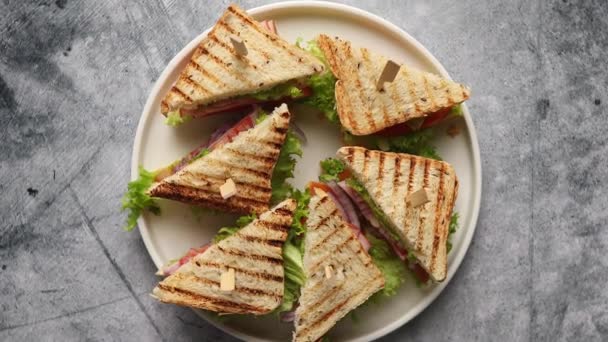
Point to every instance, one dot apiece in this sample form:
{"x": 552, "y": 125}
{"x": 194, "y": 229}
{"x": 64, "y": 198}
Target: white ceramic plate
{"x": 168, "y": 236}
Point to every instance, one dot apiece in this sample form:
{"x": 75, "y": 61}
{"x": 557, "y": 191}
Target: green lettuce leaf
{"x": 278, "y": 92}
{"x": 201, "y": 154}
{"x": 331, "y": 169}
{"x": 452, "y": 229}
{"x": 174, "y": 118}
{"x": 293, "y": 251}
{"x": 136, "y": 200}
{"x": 284, "y": 167}
{"x": 262, "y": 115}
{"x": 456, "y": 111}
{"x": 323, "y": 85}
{"x": 393, "y": 269}
{"x": 241, "y": 222}
{"x": 418, "y": 143}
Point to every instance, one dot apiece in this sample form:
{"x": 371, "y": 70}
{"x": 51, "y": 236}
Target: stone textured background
{"x": 74, "y": 76}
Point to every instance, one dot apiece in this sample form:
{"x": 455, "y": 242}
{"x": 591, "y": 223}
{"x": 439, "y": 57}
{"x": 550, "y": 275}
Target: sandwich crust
{"x": 363, "y": 109}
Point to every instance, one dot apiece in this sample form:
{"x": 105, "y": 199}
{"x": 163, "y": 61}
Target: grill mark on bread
{"x": 274, "y": 226}
{"x": 255, "y": 187}
{"x": 369, "y": 67}
{"x": 412, "y": 90}
{"x": 239, "y": 288}
{"x": 422, "y": 218}
{"x": 284, "y": 212}
{"x": 328, "y": 295}
{"x": 350, "y": 157}
{"x": 231, "y": 50}
{"x": 259, "y": 257}
{"x": 395, "y": 99}
{"x": 380, "y": 175}
{"x": 465, "y": 94}
{"x": 269, "y": 158}
{"x": 325, "y": 219}
{"x": 226, "y": 67}
{"x": 366, "y": 65}
{"x": 281, "y": 130}
{"x": 410, "y": 181}
{"x": 271, "y": 144}
{"x": 263, "y": 275}
{"x": 324, "y": 240}
{"x": 328, "y": 314}
{"x": 338, "y": 247}
{"x": 365, "y": 159}
{"x": 181, "y": 94}
{"x": 429, "y": 93}
{"x": 215, "y": 301}
{"x": 321, "y": 202}
{"x": 438, "y": 224}
{"x": 396, "y": 182}
{"x": 194, "y": 65}
{"x": 345, "y": 113}
{"x": 269, "y": 242}
{"x": 208, "y": 198}
{"x": 234, "y": 169}
{"x": 193, "y": 84}
{"x": 449, "y": 95}
{"x": 164, "y": 107}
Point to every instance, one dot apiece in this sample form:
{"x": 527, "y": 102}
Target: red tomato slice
{"x": 420, "y": 273}
{"x": 404, "y": 128}
{"x": 312, "y": 186}
{"x": 344, "y": 175}
{"x": 436, "y": 118}
{"x": 192, "y": 252}
{"x": 244, "y": 124}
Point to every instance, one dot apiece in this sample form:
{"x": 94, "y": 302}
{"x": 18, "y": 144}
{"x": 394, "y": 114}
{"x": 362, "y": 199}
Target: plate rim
{"x": 401, "y": 35}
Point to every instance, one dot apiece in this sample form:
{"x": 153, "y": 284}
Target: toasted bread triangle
{"x": 249, "y": 160}
{"x": 365, "y": 110}
{"x": 254, "y": 252}
{"x": 389, "y": 178}
{"x": 331, "y": 244}
{"x": 216, "y": 72}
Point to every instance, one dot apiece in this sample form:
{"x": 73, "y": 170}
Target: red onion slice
{"x": 192, "y": 252}
{"x": 365, "y": 209}
{"x": 348, "y": 210}
{"x": 288, "y": 316}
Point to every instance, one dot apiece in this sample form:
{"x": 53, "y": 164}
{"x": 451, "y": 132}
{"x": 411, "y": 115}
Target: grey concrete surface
{"x": 74, "y": 76}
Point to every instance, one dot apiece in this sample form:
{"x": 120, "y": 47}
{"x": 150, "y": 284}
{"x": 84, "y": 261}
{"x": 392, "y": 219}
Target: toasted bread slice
{"x": 390, "y": 178}
{"x": 255, "y": 254}
{"x": 248, "y": 160}
{"x": 331, "y": 248}
{"x": 216, "y": 72}
{"x": 365, "y": 110}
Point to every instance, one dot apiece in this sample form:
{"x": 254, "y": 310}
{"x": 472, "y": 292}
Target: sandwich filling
{"x": 137, "y": 199}
{"x": 279, "y": 94}
{"x": 379, "y": 227}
